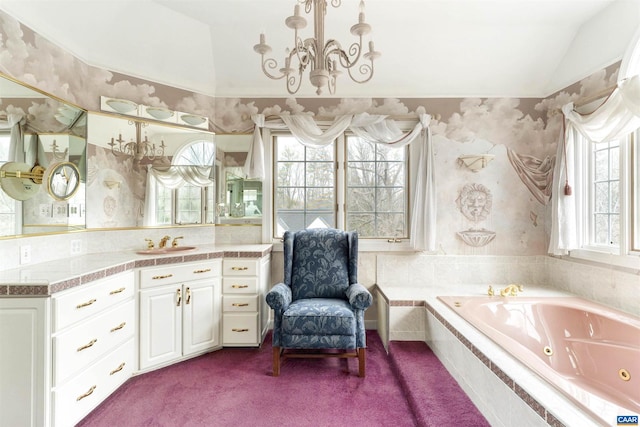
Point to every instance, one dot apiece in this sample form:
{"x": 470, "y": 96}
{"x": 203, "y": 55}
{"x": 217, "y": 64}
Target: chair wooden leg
{"x": 361, "y": 362}
{"x": 276, "y": 361}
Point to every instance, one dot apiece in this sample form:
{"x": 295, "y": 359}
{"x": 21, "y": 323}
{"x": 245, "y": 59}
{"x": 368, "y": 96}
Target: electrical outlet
{"x": 76, "y": 247}
{"x": 25, "y": 254}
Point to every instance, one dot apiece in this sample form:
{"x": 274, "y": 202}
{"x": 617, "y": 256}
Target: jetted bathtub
{"x": 588, "y": 351}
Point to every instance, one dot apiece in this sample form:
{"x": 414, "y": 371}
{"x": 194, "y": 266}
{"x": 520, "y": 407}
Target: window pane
{"x": 320, "y": 198}
{"x": 361, "y": 199}
{"x": 364, "y": 223}
{"x": 290, "y": 149}
{"x": 361, "y": 174}
{"x": 390, "y": 174}
{"x": 290, "y": 198}
{"x": 601, "y": 165}
{"x": 601, "y": 197}
{"x": 614, "y": 163}
{"x": 615, "y": 230}
{"x": 320, "y": 174}
{"x": 390, "y": 200}
{"x": 290, "y": 174}
{"x": 601, "y": 234}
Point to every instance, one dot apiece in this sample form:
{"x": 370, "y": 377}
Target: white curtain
{"x": 618, "y": 116}
{"x": 373, "y": 128}
{"x": 16, "y": 143}
{"x": 171, "y": 177}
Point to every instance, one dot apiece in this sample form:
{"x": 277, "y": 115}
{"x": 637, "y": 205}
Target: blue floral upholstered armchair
{"x": 320, "y": 305}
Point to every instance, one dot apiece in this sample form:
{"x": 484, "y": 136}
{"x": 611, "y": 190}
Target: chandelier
{"x": 138, "y": 149}
{"x": 324, "y": 59}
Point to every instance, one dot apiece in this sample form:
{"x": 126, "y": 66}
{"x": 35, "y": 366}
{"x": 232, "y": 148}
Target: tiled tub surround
{"x": 505, "y": 390}
{"x": 46, "y": 278}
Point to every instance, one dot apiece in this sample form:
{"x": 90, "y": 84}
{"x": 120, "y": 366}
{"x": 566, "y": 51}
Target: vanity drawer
{"x": 75, "y": 305}
{"x": 175, "y": 273}
{"x": 240, "y": 329}
{"x": 239, "y": 285}
{"x": 240, "y": 267}
{"x": 240, "y": 304}
{"x": 79, "y": 346}
{"x": 84, "y": 392}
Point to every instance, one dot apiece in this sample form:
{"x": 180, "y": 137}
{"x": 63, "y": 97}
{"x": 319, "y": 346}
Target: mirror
{"x": 239, "y": 200}
{"x": 53, "y": 132}
{"x": 148, "y": 173}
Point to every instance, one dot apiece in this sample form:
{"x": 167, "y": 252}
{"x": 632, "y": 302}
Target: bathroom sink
{"x": 162, "y": 251}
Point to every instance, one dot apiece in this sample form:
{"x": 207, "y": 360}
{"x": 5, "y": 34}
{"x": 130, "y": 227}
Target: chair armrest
{"x": 279, "y": 297}
{"x": 359, "y": 296}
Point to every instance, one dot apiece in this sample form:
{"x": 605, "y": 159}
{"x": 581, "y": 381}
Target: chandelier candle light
{"x": 323, "y": 59}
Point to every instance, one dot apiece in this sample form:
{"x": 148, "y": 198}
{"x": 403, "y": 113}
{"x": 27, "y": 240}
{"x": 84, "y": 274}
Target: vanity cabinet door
{"x": 160, "y": 325}
{"x": 201, "y": 316}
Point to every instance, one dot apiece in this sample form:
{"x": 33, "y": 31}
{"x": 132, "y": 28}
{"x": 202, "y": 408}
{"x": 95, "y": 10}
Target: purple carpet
{"x": 234, "y": 387}
{"x": 434, "y": 396}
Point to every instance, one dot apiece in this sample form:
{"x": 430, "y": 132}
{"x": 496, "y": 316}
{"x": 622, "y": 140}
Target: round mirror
{"x": 63, "y": 180}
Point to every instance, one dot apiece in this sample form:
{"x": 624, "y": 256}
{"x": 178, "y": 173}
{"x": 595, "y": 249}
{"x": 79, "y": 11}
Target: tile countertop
{"x": 47, "y": 278}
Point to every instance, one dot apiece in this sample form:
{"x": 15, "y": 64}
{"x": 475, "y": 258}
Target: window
{"x": 609, "y": 199}
{"x": 351, "y": 184}
{"x": 188, "y": 204}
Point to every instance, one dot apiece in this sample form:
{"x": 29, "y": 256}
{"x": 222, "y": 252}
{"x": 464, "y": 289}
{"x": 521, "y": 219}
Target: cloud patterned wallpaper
{"x": 498, "y": 210}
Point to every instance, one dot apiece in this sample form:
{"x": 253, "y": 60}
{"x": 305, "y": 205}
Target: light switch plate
{"x": 25, "y": 254}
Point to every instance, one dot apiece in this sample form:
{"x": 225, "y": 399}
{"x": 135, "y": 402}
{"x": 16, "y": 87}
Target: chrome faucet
{"x": 175, "y": 241}
{"x": 511, "y": 290}
{"x": 163, "y": 242}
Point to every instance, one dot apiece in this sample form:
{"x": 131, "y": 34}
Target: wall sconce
{"x": 111, "y": 184}
{"x": 475, "y": 162}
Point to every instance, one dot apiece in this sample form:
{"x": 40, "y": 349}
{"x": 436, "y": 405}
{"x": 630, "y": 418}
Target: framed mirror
{"x": 40, "y": 131}
{"x": 239, "y": 200}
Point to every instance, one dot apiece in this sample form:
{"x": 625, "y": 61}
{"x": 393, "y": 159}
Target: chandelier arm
{"x": 347, "y": 60}
{"x": 271, "y": 64}
{"x": 292, "y": 88}
{"x": 365, "y": 70}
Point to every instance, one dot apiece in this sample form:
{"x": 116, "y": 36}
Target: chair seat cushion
{"x": 319, "y": 316}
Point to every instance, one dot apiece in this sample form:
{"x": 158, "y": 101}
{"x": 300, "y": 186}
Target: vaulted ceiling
{"x": 430, "y": 48}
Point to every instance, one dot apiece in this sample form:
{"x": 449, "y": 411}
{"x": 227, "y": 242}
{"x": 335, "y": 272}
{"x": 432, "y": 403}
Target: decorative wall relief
{"x": 474, "y": 202}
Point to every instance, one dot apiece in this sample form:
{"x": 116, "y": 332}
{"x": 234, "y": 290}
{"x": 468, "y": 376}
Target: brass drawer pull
{"x": 86, "y": 304}
{"x": 87, "y": 394}
{"x": 206, "y": 270}
{"x": 240, "y": 304}
{"x": 86, "y": 346}
{"x": 240, "y": 330}
{"x": 178, "y": 297}
{"x": 239, "y": 286}
{"x": 117, "y": 291}
{"x": 120, "y": 326}
{"x": 118, "y": 369}
{"x": 188, "y": 301}
{"x": 239, "y": 268}
{"x": 164, "y": 276}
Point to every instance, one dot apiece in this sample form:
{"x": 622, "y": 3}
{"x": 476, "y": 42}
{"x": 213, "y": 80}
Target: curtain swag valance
{"x": 378, "y": 129}
{"x": 618, "y": 116}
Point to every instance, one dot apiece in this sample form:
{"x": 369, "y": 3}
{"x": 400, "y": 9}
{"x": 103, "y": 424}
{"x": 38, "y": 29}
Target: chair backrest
{"x": 320, "y": 262}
